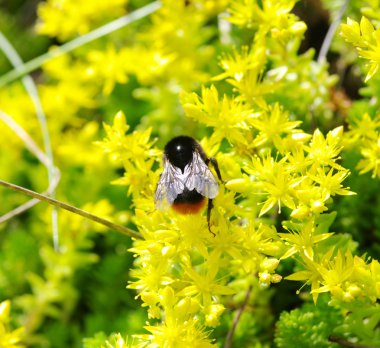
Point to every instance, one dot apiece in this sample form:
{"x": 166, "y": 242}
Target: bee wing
{"x": 169, "y": 186}
{"x": 200, "y": 177}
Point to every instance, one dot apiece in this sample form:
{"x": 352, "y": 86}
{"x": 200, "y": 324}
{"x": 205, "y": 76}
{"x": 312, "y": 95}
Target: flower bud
{"x": 354, "y": 290}
{"x": 300, "y": 213}
{"x": 168, "y": 297}
{"x": 298, "y": 28}
{"x": 187, "y": 306}
{"x": 238, "y": 185}
{"x": 275, "y": 278}
{"x": 318, "y": 207}
{"x": 150, "y": 298}
{"x": 264, "y": 279}
{"x": 269, "y": 264}
{"x": 213, "y": 314}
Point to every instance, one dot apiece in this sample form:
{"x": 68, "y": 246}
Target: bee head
{"x": 179, "y": 151}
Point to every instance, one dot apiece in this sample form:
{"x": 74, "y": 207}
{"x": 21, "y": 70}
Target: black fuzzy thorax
{"x": 179, "y": 151}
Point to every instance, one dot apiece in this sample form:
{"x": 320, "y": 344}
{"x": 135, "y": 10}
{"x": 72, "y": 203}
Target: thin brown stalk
{"x": 118, "y": 228}
{"x": 345, "y": 343}
{"x": 231, "y": 332}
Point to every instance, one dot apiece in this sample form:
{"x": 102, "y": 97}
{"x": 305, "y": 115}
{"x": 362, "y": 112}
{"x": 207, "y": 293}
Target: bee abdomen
{"x": 189, "y": 202}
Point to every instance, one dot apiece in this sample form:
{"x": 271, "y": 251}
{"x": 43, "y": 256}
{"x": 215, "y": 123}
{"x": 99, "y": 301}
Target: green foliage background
{"x": 77, "y": 296}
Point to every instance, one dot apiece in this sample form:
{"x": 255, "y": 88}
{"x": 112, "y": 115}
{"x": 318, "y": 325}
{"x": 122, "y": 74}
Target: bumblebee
{"x": 186, "y": 180}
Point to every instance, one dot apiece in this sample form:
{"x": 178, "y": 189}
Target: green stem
{"x": 118, "y": 228}
{"x": 79, "y": 41}
{"x": 330, "y": 33}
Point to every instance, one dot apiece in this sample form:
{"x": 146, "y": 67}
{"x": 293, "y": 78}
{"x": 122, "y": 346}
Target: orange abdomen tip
{"x": 188, "y": 208}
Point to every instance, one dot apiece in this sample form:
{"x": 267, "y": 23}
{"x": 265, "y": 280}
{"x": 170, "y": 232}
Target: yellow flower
{"x": 325, "y": 151}
{"x": 303, "y": 239}
{"x": 336, "y": 276}
{"x": 204, "y": 284}
{"x": 366, "y": 277}
{"x": 173, "y": 333}
{"x": 9, "y": 338}
{"x": 365, "y": 38}
{"x": 363, "y": 128}
{"x": 179, "y": 328}
{"x": 150, "y": 277}
{"x": 237, "y": 64}
{"x": 107, "y": 67}
{"x": 272, "y": 125}
{"x": 330, "y": 184}
{"x": 274, "y": 180}
{"x": 230, "y": 118}
{"x": 135, "y": 152}
{"x": 310, "y": 276}
{"x": 371, "y": 152}
{"x": 67, "y": 18}
{"x": 74, "y": 146}
{"x": 116, "y": 340}
{"x": 270, "y": 15}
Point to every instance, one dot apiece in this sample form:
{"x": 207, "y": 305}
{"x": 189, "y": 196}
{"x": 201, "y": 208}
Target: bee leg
{"x": 209, "y": 208}
{"x": 214, "y": 163}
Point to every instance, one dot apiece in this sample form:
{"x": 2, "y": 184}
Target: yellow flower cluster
{"x": 67, "y": 18}
{"x": 364, "y": 129}
{"x": 135, "y": 153}
{"x": 364, "y": 133}
{"x": 348, "y": 278}
{"x": 182, "y": 270}
{"x": 270, "y": 16}
{"x": 365, "y": 38}
{"x": 300, "y": 180}
{"x": 183, "y": 273}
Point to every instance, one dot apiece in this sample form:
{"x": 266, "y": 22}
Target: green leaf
{"x": 324, "y": 222}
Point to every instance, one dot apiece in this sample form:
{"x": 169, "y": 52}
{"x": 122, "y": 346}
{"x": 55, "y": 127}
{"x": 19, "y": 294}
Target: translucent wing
{"x": 170, "y": 185}
{"x": 196, "y": 175}
{"x": 199, "y": 177}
